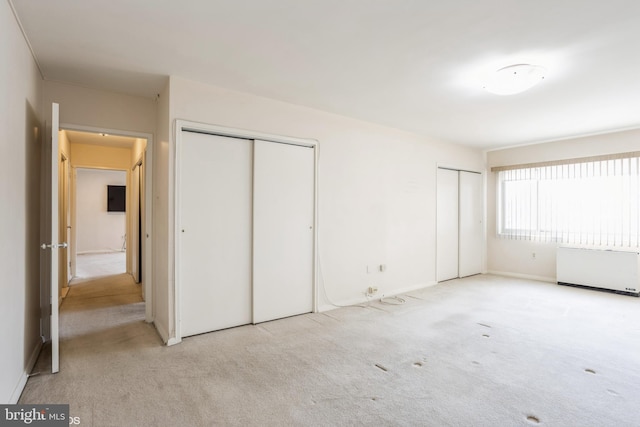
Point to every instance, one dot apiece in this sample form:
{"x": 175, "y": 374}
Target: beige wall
{"x": 516, "y": 256}
{"x": 97, "y": 156}
{"x": 377, "y": 187}
{"x": 21, "y": 134}
{"x": 100, "y": 109}
{"x": 64, "y": 145}
{"x": 137, "y": 150}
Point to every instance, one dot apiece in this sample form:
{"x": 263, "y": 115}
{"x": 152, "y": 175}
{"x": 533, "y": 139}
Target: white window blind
{"x": 591, "y": 203}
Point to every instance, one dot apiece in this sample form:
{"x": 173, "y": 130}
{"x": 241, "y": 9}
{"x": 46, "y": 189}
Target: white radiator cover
{"x": 615, "y": 270}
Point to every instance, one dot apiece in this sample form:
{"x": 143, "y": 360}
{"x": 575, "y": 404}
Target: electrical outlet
{"x": 533, "y": 255}
{"x": 382, "y": 268}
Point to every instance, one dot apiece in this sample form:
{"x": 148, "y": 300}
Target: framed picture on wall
{"x": 116, "y": 198}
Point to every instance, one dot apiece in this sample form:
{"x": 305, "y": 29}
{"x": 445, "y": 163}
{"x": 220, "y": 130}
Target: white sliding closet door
{"x": 471, "y": 239}
{"x": 283, "y": 203}
{"x": 447, "y": 225}
{"x": 215, "y": 209}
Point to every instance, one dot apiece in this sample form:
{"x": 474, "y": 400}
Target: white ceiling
{"x": 416, "y": 65}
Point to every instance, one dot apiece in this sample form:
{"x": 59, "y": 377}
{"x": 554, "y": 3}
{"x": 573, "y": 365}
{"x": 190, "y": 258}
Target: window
{"x": 593, "y": 202}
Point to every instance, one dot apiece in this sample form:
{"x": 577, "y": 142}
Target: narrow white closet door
{"x": 283, "y": 204}
{"x": 214, "y": 232}
{"x": 471, "y": 239}
{"x": 447, "y": 225}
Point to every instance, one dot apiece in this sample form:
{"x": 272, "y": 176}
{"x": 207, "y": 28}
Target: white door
{"x": 471, "y": 239}
{"x": 447, "y": 225}
{"x": 214, "y": 235}
{"x": 50, "y": 244}
{"x": 283, "y": 215}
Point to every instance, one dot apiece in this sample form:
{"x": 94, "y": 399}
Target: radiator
{"x": 614, "y": 270}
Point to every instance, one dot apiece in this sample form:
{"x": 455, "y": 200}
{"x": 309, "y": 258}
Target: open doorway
{"x": 76, "y": 147}
{"x": 107, "y": 210}
{"x": 101, "y": 223}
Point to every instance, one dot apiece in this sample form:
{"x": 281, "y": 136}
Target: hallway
{"x": 101, "y": 326}
{"x": 102, "y": 300}
{"x": 93, "y": 307}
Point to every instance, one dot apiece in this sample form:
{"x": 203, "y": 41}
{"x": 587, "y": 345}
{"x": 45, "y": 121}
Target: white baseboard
{"x": 364, "y": 299}
{"x": 100, "y": 251}
{"x": 164, "y": 334}
{"x": 523, "y": 276}
{"x": 17, "y": 392}
{"x": 173, "y": 341}
{"x": 407, "y": 289}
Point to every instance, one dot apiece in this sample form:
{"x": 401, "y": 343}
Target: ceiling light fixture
{"x": 514, "y": 79}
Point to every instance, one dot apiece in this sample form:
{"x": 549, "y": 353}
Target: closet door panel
{"x": 471, "y": 239}
{"x": 283, "y": 218}
{"x": 447, "y": 225}
{"x": 214, "y": 235}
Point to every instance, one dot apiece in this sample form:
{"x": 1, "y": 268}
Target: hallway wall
{"x": 21, "y": 135}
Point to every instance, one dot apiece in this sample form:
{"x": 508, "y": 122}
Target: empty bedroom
{"x": 332, "y": 213}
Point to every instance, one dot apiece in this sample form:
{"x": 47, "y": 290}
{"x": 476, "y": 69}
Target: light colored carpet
{"x": 481, "y": 351}
{"x": 99, "y": 265}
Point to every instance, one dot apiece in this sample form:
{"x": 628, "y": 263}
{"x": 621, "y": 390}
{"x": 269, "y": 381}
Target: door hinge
{"x": 50, "y": 309}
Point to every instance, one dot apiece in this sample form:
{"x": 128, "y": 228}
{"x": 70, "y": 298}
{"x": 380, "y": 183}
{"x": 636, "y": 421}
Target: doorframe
{"x": 174, "y": 214}
{"x": 148, "y": 178}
